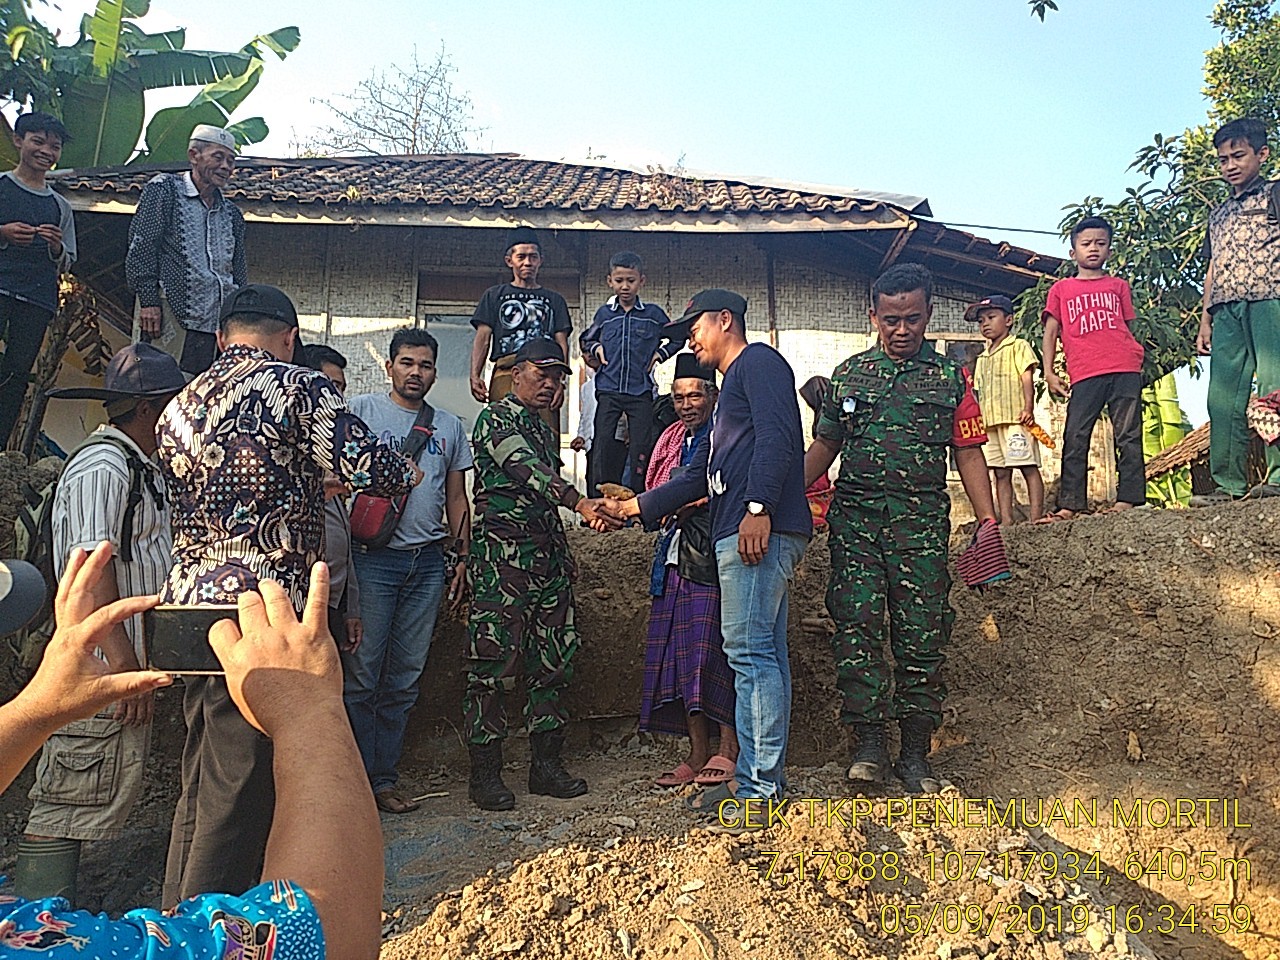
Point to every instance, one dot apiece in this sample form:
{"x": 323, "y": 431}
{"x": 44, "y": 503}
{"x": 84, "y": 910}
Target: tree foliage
{"x": 412, "y": 110}
{"x": 97, "y": 84}
{"x": 1160, "y": 222}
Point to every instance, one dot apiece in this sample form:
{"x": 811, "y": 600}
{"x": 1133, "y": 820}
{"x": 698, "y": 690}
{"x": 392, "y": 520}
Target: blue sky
{"x": 997, "y": 118}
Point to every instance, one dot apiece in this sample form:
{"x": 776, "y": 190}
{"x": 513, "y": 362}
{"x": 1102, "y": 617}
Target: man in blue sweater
{"x": 753, "y": 472}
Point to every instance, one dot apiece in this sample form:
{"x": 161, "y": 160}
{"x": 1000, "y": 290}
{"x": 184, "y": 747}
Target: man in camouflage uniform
{"x": 522, "y": 610}
{"x": 892, "y": 414}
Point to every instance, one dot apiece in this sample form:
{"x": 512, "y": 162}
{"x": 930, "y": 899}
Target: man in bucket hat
{"x": 186, "y": 251}
{"x": 111, "y": 489}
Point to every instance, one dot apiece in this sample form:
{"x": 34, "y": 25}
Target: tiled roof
{"x": 507, "y": 182}
{"x": 1187, "y": 450}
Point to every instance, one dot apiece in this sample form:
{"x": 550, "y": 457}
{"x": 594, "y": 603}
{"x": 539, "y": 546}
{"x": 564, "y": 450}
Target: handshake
{"x": 611, "y": 511}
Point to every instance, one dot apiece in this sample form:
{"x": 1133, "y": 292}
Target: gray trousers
{"x": 223, "y": 817}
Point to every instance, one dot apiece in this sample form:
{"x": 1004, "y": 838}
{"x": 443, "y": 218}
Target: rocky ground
{"x": 1134, "y": 657}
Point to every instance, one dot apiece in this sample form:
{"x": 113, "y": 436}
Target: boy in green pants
{"x": 1241, "y": 318}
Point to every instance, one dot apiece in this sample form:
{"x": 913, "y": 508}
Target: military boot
{"x": 547, "y": 774}
{"x": 871, "y": 760}
{"x": 913, "y": 761}
{"x": 486, "y": 789}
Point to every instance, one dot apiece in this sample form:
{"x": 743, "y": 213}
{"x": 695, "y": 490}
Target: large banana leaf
{"x": 249, "y": 130}
{"x": 280, "y": 42}
{"x": 185, "y": 68}
{"x": 105, "y": 118}
{"x": 135, "y": 38}
{"x": 104, "y": 29}
{"x": 169, "y": 131}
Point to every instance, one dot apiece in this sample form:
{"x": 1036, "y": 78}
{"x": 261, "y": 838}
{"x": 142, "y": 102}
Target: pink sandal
{"x": 719, "y": 769}
{"x": 676, "y": 778}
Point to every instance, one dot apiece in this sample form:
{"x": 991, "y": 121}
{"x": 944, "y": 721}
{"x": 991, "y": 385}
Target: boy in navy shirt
{"x": 753, "y": 471}
{"x": 626, "y": 338}
{"x": 37, "y": 243}
{"x": 511, "y": 314}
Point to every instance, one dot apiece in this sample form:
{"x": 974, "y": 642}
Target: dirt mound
{"x": 1133, "y": 657}
{"x": 628, "y": 877}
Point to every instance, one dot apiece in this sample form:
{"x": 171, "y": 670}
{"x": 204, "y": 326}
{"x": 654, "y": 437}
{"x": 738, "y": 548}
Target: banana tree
{"x": 97, "y": 85}
{"x": 1163, "y": 425}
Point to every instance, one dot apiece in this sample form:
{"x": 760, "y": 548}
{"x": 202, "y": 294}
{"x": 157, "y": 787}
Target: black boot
{"x": 871, "y": 760}
{"x": 486, "y": 789}
{"x": 547, "y": 774}
{"x": 913, "y": 762}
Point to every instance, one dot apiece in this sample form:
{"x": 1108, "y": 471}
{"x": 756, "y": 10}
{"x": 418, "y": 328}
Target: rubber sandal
{"x": 390, "y": 801}
{"x": 678, "y": 777}
{"x": 1057, "y": 516}
{"x": 719, "y": 769}
{"x": 1214, "y": 499}
{"x": 707, "y": 803}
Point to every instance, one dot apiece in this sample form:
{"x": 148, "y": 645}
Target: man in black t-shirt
{"x": 509, "y": 315}
{"x": 37, "y": 242}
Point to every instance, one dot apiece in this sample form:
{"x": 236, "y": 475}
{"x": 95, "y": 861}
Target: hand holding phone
{"x": 176, "y": 637}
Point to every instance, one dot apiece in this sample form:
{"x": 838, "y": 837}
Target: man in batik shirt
{"x": 244, "y": 449}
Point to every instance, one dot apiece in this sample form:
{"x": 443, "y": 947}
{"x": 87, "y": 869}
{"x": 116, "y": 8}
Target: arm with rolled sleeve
{"x": 503, "y": 440}
{"x": 146, "y": 236}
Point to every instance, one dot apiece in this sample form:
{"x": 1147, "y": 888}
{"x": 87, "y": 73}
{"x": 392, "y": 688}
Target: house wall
{"x": 354, "y": 288}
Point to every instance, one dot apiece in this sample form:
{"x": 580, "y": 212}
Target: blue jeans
{"x": 399, "y": 598}
{"x": 753, "y": 621}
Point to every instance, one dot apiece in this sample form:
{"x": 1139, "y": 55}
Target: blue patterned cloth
{"x": 273, "y": 921}
{"x": 244, "y": 449}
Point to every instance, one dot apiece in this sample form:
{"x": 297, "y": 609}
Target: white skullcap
{"x": 208, "y": 133}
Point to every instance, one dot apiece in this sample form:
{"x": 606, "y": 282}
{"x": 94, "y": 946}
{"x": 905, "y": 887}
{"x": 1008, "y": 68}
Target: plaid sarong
{"x": 1263, "y": 416}
{"x": 685, "y": 670}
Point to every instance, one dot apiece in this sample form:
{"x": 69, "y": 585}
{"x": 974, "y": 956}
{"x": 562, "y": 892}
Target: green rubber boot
{"x": 47, "y": 868}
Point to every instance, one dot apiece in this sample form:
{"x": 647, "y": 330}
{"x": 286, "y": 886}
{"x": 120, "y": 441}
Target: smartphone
{"x": 176, "y": 637}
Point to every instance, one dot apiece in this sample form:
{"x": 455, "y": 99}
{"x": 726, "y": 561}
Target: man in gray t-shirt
{"x": 401, "y": 584}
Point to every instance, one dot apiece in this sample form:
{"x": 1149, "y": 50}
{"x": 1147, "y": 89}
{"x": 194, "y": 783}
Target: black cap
{"x": 518, "y": 235}
{"x": 989, "y": 303}
{"x": 264, "y": 301}
{"x": 542, "y": 352}
{"x": 713, "y": 301}
{"x": 136, "y": 372}
{"x": 688, "y": 368}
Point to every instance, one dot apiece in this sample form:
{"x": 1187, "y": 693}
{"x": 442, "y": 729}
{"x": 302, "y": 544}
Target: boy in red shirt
{"x": 1091, "y": 312}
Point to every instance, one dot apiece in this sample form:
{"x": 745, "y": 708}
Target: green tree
{"x": 97, "y": 84}
{"x": 1160, "y": 222}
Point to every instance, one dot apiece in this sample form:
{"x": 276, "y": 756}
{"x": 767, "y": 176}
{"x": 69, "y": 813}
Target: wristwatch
{"x": 756, "y": 508}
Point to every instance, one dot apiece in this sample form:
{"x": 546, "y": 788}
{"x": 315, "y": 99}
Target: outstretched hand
{"x": 278, "y": 667}
{"x": 73, "y": 683}
{"x": 598, "y": 515}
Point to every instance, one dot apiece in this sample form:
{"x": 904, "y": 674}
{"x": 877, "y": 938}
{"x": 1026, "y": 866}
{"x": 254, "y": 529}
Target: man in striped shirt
{"x": 90, "y": 772}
